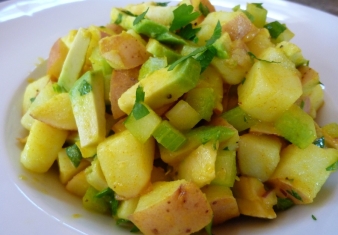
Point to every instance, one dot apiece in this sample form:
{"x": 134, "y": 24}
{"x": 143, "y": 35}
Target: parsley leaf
{"x": 128, "y": 13}
{"x": 216, "y": 35}
{"x": 255, "y": 57}
{"x": 320, "y": 142}
{"x": 283, "y": 204}
{"x": 85, "y": 88}
{"x": 188, "y": 32}
{"x": 139, "y": 110}
{"x": 332, "y": 167}
{"x": 203, "y": 9}
{"x": 74, "y": 154}
{"x": 206, "y": 57}
{"x": 294, "y": 194}
{"x": 109, "y": 195}
{"x": 275, "y": 29}
{"x": 313, "y": 217}
{"x": 139, "y": 18}
{"x": 162, "y": 4}
{"x": 183, "y": 15}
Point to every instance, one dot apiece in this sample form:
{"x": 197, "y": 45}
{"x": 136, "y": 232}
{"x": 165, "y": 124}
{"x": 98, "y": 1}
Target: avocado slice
{"x": 162, "y": 86}
{"x": 88, "y": 94}
{"x": 75, "y": 59}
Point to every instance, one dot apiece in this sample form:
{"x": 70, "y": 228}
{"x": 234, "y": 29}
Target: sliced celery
{"x": 168, "y": 136}
{"x": 239, "y": 119}
{"x": 225, "y": 168}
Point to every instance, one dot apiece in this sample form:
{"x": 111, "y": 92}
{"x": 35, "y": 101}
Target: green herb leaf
{"x": 216, "y": 35}
{"x": 134, "y": 229}
{"x": 183, "y": 15}
{"x": 139, "y": 94}
{"x": 320, "y": 142}
{"x": 208, "y": 228}
{"x": 255, "y": 57}
{"x": 188, "y": 32}
{"x": 332, "y": 167}
{"x": 162, "y": 4}
{"x": 203, "y": 9}
{"x": 313, "y": 217}
{"x": 294, "y": 194}
{"x": 128, "y": 13}
{"x": 109, "y": 195}
{"x": 183, "y": 58}
{"x": 206, "y": 57}
{"x": 140, "y": 111}
{"x": 259, "y": 5}
{"x": 275, "y": 29}
{"x": 139, "y": 18}
{"x": 119, "y": 19}
{"x": 84, "y": 88}
{"x": 32, "y": 99}
{"x": 74, "y": 154}
{"x": 283, "y": 204}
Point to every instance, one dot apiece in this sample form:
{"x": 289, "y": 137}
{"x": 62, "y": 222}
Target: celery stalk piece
{"x": 143, "y": 128}
{"x": 225, "y": 168}
{"x": 168, "y": 136}
{"x": 239, "y": 119}
{"x": 75, "y": 59}
{"x": 297, "y": 126}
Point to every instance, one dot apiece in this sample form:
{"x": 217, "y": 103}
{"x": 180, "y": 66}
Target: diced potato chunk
{"x": 171, "y": 208}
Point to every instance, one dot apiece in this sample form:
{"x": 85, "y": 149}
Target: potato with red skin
{"x": 121, "y": 80}
{"x": 123, "y": 51}
{"x": 172, "y": 208}
{"x": 57, "y": 56}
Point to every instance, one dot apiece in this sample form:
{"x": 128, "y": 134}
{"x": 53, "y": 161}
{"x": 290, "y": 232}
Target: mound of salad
{"x": 175, "y": 117}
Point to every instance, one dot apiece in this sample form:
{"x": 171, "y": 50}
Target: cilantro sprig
{"x": 183, "y": 15}
{"x": 139, "y": 110}
{"x": 206, "y": 52}
{"x": 140, "y": 17}
{"x": 74, "y": 154}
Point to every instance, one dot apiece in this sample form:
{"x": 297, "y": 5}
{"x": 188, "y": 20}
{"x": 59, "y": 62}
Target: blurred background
{"x": 330, "y": 6}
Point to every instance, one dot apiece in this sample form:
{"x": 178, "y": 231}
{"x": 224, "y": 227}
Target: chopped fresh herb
{"x": 162, "y": 4}
{"x": 259, "y": 5}
{"x": 183, "y": 15}
{"x": 208, "y": 228}
{"x": 109, "y": 195}
{"x": 139, "y": 94}
{"x": 119, "y": 19}
{"x": 32, "y": 99}
{"x": 57, "y": 88}
{"x": 332, "y": 167}
{"x": 74, "y": 154}
{"x": 128, "y": 13}
{"x": 188, "y": 32}
{"x": 216, "y": 35}
{"x": 85, "y": 88}
{"x": 313, "y": 217}
{"x": 203, "y": 9}
{"x": 302, "y": 104}
{"x": 243, "y": 81}
{"x": 139, "y": 110}
{"x": 226, "y": 148}
{"x": 294, "y": 194}
{"x": 139, "y": 18}
{"x": 275, "y": 28}
{"x": 283, "y": 204}
{"x": 255, "y": 57}
{"x": 320, "y": 142}
{"x": 206, "y": 57}
{"x": 134, "y": 229}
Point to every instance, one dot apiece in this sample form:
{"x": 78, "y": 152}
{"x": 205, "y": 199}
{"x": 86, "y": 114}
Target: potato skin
{"x": 172, "y": 208}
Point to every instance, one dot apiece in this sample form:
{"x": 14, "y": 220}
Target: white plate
{"x": 37, "y": 204}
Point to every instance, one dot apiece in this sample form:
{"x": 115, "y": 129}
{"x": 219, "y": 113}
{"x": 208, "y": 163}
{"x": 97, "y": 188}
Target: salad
{"x": 175, "y": 118}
